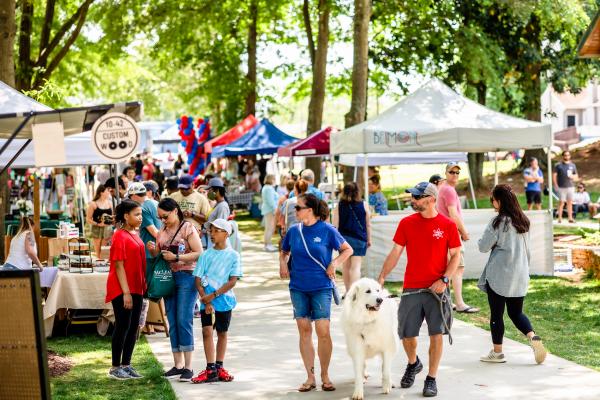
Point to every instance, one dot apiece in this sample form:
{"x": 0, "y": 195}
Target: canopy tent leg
{"x": 355, "y": 173}
{"x": 117, "y": 187}
{"x": 549, "y": 183}
{"x": 11, "y": 138}
{"x": 471, "y": 187}
{"x": 332, "y": 176}
{"x": 495, "y": 168}
{"x": 36, "y": 211}
{"x": 395, "y": 188}
{"x": 366, "y": 177}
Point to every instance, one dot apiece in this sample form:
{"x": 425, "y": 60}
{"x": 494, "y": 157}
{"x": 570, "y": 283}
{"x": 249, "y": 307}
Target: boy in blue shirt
{"x": 216, "y": 273}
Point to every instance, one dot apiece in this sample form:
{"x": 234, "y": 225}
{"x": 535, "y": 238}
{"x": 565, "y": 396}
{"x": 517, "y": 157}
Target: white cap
{"x": 222, "y": 224}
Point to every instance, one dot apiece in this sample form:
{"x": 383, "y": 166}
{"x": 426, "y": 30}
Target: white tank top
{"x": 17, "y": 255}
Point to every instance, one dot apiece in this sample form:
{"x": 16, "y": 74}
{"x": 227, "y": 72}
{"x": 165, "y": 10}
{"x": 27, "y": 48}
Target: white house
{"x": 573, "y": 112}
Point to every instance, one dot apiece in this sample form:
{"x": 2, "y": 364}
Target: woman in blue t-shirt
{"x": 308, "y": 247}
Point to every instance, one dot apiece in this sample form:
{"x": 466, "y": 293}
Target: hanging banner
{"x": 115, "y": 136}
{"x": 48, "y": 144}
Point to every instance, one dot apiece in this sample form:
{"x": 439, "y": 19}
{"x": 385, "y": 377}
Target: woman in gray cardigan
{"x": 506, "y": 275}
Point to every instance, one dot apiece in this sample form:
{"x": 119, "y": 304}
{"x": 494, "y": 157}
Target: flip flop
{"x": 307, "y": 387}
{"x": 468, "y": 310}
{"x": 328, "y": 387}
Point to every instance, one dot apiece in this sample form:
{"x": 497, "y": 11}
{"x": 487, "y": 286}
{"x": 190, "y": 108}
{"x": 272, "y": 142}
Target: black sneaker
{"x": 186, "y": 375}
{"x": 173, "y": 372}
{"x": 430, "y": 388}
{"x": 132, "y": 372}
{"x": 409, "y": 375}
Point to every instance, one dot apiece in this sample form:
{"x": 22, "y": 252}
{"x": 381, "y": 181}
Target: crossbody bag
{"x": 336, "y": 295}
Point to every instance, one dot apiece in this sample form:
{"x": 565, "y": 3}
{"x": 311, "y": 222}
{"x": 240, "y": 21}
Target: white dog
{"x": 370, "y": 323}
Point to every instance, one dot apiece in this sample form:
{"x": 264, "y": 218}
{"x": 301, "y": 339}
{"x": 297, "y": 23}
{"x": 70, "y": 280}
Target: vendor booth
{"x": 436, "y": 118}
{"x": 232, "y": 134}
{"x": 86, "y": 277}
{"x": 263, "y": 138}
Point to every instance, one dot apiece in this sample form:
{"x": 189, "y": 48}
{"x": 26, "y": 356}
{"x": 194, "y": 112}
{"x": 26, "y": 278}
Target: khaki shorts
{"x": 101, "y": 232}
{"x": 566, "y": 194}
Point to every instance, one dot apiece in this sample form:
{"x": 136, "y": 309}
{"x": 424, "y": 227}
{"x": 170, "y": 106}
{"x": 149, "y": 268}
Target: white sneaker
{"x": 539, "y": 352}
{"x": 493, "y": 357}
{"x": 270, "y": 248}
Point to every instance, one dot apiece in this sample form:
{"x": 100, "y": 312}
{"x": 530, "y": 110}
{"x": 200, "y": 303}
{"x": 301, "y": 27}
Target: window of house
{"x": 571, "y": 120}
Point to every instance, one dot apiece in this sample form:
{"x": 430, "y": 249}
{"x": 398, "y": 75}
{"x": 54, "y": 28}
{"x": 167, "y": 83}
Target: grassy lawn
{"x": 88, "y": 378}
{"x": 563, "y": 313}
{"x": 248, "y": 225}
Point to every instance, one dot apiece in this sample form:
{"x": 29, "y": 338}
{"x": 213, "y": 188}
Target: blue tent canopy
{"x": 264, "y": 138}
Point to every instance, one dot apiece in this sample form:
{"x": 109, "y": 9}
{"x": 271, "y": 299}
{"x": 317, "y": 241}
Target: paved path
{"x": 264, "y": 358}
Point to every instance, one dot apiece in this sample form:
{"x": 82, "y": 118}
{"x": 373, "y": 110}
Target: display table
{"x": 76, "y": 291}
{"x": 242, "y": 198}
{"x": 383, "y": 229}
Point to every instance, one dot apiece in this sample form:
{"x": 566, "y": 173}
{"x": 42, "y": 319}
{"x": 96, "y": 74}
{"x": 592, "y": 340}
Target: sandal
{"x": 468, "y": 310}
{"x": 327, "y": 387}
{"x": 307, "y": 387}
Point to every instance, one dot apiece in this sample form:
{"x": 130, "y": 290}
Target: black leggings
{"x": 126, "y": 326}
{"x": 514, "y": 306}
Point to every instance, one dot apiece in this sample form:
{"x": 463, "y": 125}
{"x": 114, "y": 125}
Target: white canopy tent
{"x": 436, "y": 118}
{"x": 170, "y": 135}
{"x": 375, "y": 160}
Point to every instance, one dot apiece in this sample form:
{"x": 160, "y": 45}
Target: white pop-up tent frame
{"x": 436, "y": 118}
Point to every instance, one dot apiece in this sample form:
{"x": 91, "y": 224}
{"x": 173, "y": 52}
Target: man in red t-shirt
{"x": 428, "y": 238}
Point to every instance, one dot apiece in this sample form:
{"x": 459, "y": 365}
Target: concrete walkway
{"x": 263, "y": 355}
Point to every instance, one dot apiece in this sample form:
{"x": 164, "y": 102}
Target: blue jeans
{"x": 313, "y": 305}
{"x": 180, "y": 312}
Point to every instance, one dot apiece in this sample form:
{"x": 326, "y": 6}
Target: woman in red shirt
{"x": 125, "y": 286}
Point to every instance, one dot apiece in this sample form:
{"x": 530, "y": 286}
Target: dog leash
{"x": 441, "y": 298}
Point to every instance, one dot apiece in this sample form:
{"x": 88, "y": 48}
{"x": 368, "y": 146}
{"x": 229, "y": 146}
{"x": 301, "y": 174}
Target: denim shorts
{"x": 313, "y": 305}
{"x": 359, "y": 246}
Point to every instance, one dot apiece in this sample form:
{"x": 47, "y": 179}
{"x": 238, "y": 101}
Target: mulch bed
{"x": 58, "y": 365}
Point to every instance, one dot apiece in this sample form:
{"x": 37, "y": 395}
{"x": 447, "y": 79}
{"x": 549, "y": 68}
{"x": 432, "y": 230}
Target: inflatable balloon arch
{"x": 193, "y": 141}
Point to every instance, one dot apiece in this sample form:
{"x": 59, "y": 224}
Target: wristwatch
{"x": 176, "y": 257}
{"x": 445, "y": 279}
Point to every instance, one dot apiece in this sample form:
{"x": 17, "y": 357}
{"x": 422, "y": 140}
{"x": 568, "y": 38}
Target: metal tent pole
{"x": 471, "y": 187}
{"x": 366, "y": 178}
{"x": 495, "y": 168}
{"x": 549, "y": 183}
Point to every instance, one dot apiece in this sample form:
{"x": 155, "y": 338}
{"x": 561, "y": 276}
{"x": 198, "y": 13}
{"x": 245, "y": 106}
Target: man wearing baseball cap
{"x": 195, "y": 206}
{"x": 428, "y": 237}
{"x": 150, "y": 226}
{"x": 448, "y": 205}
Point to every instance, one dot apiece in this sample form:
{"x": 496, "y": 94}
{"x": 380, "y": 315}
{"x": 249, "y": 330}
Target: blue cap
{"x": 423, "y": 189}
{"x": 186, "y": 181}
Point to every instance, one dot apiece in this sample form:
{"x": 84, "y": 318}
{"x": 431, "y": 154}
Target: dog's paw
{"x": 387, "y": 388}
{"x": 358, "y": 395}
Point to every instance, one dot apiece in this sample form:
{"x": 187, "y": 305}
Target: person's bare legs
{"x": 209, "y": 345}
{"x": 570, "y": 209}
{"x": 178, "y": 360}
{"x": 97, "y": 246}
{"x": 325, "y": 347}
{"x": 307, "y": 351}
{"x": 457, "y": 284}
{"x": 529, "y": 206}
{"x": 436, "y": 345}
{"x": 561, "y": 206}
{"x": 221, "y": 345}
{"x": 538, "y": 206}
{"x": 410, "y": 348}
{"x": 187, "y": 357}
{"x": 351, "y": 271}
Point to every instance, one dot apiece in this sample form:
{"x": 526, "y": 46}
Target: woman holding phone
{"x": 180, "y": 245}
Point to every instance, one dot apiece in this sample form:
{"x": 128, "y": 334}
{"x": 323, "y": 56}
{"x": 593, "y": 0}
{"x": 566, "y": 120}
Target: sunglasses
{"x": 298, "y": 208}
{"x": 419, "y": 196}
{"x": 454, "y": 172}
{"x": 164, "y": 216}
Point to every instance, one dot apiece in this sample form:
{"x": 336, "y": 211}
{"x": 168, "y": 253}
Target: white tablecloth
{"x": 76, "y": 291}
{"x": 47, "y": 276}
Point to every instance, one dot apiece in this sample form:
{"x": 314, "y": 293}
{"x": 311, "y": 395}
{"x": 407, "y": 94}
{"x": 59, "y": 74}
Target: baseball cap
{"x": 435, "y": 179}
{"x": 423, "y": 189}
{"x": 452, "y": 164}
{"x": 151, "y": 186}
{"x": 186, "y": 181}
{"x": 136, "y": 188}
{"x": 214, "y": 182}
{"x": 220, "y": 223}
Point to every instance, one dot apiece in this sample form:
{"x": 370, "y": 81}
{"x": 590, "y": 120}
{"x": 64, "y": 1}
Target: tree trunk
{"x": 7, "y": 75}
{"x": 358, "y": 107}
{"x": 25, "y": 67}
{"x": 251, "y": 75}
{"x": 360, "y": 76}
{"x": 476, "y": 159}
{"x": 532, "y": 89}
{"x": 317, "y": 96}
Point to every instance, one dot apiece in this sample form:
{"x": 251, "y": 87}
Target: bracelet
{"x": 176, "y": 257}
